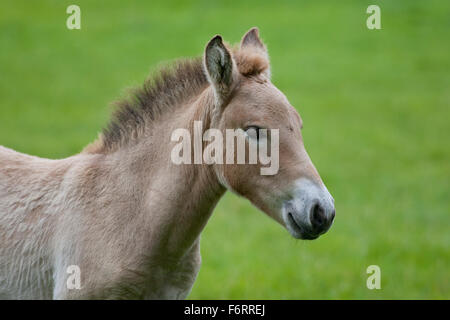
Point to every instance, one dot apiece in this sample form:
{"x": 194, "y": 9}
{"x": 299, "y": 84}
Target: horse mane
{"x": 161, "y": 92}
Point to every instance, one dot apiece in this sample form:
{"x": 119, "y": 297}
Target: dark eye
{"x": 253, "y": 132}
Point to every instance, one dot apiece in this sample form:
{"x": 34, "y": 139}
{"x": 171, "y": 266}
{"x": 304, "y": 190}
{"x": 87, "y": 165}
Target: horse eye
{"x": 253, "y": 132}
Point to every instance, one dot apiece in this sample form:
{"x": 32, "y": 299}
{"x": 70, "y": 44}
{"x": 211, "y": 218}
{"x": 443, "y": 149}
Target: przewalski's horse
{"x": 129, "y": 217}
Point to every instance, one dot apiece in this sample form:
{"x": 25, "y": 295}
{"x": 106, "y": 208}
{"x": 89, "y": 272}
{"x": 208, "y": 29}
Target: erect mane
{"x": 162, "y": 92}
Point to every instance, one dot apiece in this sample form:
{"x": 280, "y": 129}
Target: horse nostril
{"x": 318, "y": 218}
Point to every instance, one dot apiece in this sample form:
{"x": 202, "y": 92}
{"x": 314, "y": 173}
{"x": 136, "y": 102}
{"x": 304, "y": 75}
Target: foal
{"x": 130, "y": 219}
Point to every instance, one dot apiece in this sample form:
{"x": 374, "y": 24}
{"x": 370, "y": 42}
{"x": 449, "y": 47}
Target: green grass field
{"x": 376, "y": 111}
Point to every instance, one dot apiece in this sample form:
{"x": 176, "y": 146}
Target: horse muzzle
{"x": 310, "y": 212}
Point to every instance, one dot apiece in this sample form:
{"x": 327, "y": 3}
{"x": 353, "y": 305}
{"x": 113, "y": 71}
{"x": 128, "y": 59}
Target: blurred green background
{"x": 375, "y": 105}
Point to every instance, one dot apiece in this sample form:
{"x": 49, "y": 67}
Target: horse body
{"x": 114, "y": 216}
{"x": 129, "y": 218}
{"x": 58, "y": 213}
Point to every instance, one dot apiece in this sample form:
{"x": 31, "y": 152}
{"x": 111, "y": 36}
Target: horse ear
{"x": 252, "y": 39}
{"x": 252, "y": 42}
{"x": 219, "y": 67}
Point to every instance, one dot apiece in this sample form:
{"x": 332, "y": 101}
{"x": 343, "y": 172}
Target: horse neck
{"x": 177, "y": 200}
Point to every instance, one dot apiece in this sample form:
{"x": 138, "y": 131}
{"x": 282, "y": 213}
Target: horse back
{"x": 22, "y": 176}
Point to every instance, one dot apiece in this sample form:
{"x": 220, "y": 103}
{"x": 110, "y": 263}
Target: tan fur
{"x": 250, "y": 61}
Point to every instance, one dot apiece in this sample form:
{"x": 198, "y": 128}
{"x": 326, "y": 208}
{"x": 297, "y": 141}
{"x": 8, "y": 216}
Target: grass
{"x": 376, "y": 109}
